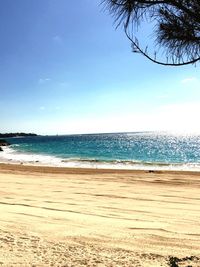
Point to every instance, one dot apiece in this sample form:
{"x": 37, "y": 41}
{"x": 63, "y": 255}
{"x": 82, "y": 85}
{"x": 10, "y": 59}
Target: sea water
{"x": 117, "y": 150}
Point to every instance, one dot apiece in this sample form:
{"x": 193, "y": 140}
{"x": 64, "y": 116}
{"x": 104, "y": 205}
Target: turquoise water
{"x": 121, "y": 148}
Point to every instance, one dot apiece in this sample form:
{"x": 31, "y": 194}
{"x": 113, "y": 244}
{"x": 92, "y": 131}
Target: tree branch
{"x": 139, "y": 50}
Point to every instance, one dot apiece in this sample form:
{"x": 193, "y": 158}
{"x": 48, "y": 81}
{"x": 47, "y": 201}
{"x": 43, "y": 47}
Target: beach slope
{"x": 87, "y": 217}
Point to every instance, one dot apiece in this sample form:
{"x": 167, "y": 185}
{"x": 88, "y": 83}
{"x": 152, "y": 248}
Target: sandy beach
{"x": 88, "y": 217}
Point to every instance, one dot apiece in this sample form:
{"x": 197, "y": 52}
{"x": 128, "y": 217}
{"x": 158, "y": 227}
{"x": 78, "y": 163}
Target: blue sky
{"x": 66, "y": 69}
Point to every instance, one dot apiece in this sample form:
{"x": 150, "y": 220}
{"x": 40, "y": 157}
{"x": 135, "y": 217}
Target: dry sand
{"x": 76, "y": 217}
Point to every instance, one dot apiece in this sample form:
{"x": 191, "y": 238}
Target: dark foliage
{"x": 175, "y": 24}
{"x": 6, "y": 135}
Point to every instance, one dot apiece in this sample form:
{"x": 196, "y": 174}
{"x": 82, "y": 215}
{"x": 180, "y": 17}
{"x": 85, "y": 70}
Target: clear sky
{"x": 64, "y": 68}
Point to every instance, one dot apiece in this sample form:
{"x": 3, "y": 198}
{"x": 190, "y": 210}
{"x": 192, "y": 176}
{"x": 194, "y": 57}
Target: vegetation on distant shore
{"x": 6, "y": 135}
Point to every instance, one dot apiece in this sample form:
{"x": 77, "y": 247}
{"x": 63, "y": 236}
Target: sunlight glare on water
{"x": 128, "y": 148}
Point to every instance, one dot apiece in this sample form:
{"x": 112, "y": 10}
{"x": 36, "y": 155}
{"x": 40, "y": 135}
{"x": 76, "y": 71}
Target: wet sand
{"x": 87, "y": 217}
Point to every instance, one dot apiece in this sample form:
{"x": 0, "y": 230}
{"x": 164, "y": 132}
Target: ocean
{"x": 145, "y": 150}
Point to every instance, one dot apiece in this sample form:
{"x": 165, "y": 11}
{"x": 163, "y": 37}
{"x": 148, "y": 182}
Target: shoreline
{"x": 15, "y": 157}
{"x": 139, "y": 151}
{"x": 78, "y": 170}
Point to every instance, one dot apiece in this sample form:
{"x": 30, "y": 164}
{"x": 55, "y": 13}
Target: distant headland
{"x": 6, "y": 135}
{"x": 4, "y": 142}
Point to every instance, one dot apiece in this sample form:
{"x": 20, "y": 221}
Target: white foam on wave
{"x": 11, "y": 156}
